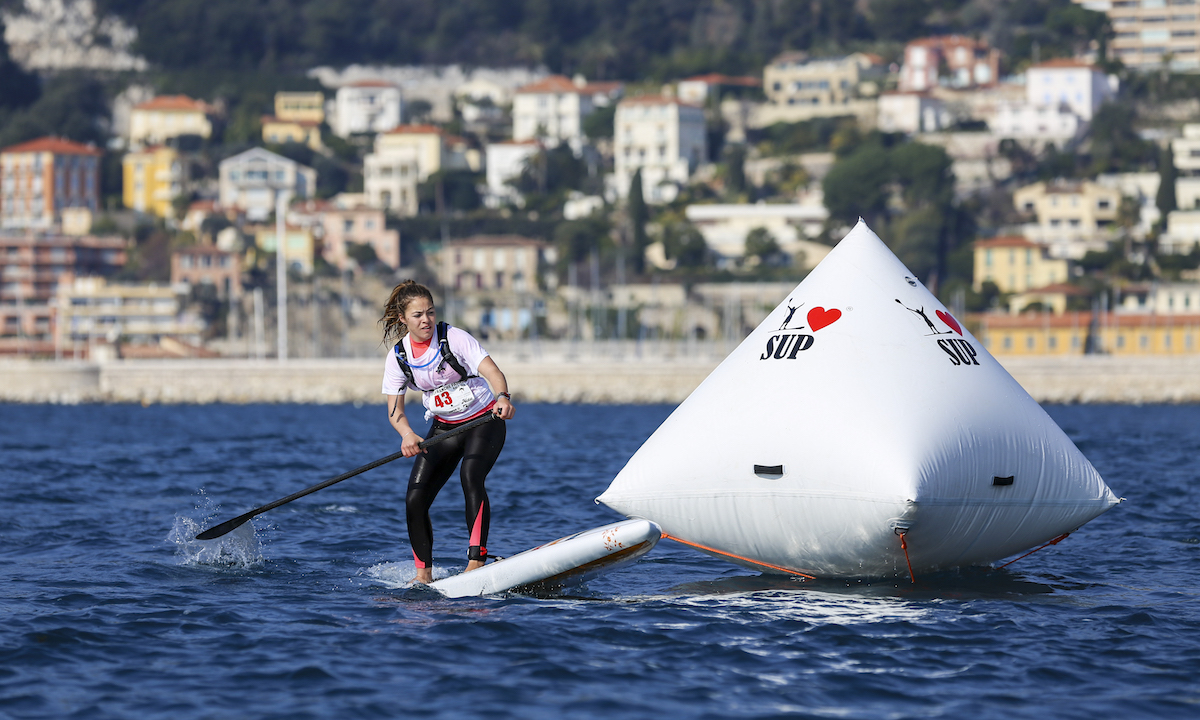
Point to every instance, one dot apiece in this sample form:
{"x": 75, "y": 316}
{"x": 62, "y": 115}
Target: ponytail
{"x": 397, "y": 304}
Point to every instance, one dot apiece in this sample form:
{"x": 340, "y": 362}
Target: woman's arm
{"x": 491, "y": 372}
{"x": 396, "y": 416}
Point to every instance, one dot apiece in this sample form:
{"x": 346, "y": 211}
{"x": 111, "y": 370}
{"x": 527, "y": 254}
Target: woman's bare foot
{"x": 474, "y": 565}
{"x": 424, "y": 575}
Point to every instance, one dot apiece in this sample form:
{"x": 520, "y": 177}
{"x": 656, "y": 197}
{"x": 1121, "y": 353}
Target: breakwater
{"x": 1090, "y": 379}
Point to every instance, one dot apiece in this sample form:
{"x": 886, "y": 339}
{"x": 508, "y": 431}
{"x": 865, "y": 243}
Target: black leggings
{"x": 478, "y": 449}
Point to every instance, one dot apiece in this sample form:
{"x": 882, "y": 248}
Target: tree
{"x": 761, "y": 244}
{"x": 857, "y": 186}
{"x": 72, "y": 105}
{"x": 735, "y": 169}
{"x": 638, "y": 215}
{"x": 600, "y": 123}
{"x": 20, "y": 87}
{"x": 1165, "y": 199}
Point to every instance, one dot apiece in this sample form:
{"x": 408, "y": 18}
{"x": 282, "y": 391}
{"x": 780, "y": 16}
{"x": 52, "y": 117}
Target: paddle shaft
{"x": 229, "y": 525}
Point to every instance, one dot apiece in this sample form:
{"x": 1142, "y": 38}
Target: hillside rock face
{"x": 67, "y": 34}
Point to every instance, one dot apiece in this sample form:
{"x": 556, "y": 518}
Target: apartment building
{"x": 207, "y": 265}
{"x": 495, "y": 264}
{"x": 152, "y": 179}
{"x": 967, "y": 62}
{"x": 1145, "y": 32}
{"x": 1070, "y": 217}
{"x": 1016, "y": 265}
{"x": 1074, "y": 333}
{"x": 41, "y": 178}
{"x": 367, "y": 106}
{"x": 299, "y": 246}
{"x": 661, "y": 136}
{"x": 168, "y": 116}
{"x": 1186, "y": 152}
{"x": 390, "y": 181}
{"x": 505, "y": 162}
{"x": 1078, "y": 85}
{"x": 552, "y": 110}
{"x": 253, "y": 180}
{"x": 341, "y": 227}
{"x": 795, "y": 79}
{"x": 93, "y": 312}
{"x": 300, "y": 106}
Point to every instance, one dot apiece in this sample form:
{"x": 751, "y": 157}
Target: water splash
{"x": 398, "y": 575}
{"x": 238, "y": 549}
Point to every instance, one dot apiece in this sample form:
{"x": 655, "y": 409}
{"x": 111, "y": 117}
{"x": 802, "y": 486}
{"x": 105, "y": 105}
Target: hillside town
{"x": 1053, "y": 203}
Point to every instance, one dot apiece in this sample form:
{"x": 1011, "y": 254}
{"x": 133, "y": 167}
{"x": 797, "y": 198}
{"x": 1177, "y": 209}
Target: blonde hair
{"x": 397, "y": 304}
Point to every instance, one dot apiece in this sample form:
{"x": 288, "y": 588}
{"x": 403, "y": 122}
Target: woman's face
{"x": 421, "y": 319}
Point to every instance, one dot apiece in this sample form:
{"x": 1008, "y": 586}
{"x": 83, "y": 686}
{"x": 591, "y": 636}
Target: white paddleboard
{"x": 565, "y": 561}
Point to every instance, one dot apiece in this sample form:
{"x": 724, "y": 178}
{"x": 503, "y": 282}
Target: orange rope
{"x": 904, "y": 547}
{"x": 739, "y": 557}
{"x": 1055, "y": 541}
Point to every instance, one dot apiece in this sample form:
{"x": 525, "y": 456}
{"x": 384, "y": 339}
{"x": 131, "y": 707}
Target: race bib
{"x": 451, "y": 399}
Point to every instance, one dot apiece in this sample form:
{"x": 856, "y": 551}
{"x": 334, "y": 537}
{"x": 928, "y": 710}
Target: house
{"x": 277, "y": 131}
{"x": 1160, "y": 298}
{"x": 41, "y": 178}
{"x": 253, "y": 180}
{"x": 1186, "y": 153}
{"x": 1042, "y": 123}
{"x": 1080, "y": 86}
{"x": 966, "y": 62}
{"x": 1052, "y": 298}
{"x": 300, "y": 106}
{"x": 725, "y": 228}
{"x": 552, "y": 110}
{"x": 1142, "y": 189}
{"x": 699, "y": 89}
{"x": 366, "y": 106}
{"x": 1147, "y": 34}
{"x": 431, "y": 147}
{"x": 166, "y": 117}
{"x": 152, "y": 179}
{"x": 1182, "y": 233}
{"x": 342, "y": 227}
{"x": 829, "y": 83}
{"x": 912, "y": 112}
{"x": 207, "y": 265}
{"x": 505, "y": 162}
{"x": 390, "y": 181}
{"x": 1069, "y": 217}
{"x": 1016, "y": 265}
{"x": 496, "y": 264}
{"x": 299, "y": 247}
{"x": 663, "y": 137}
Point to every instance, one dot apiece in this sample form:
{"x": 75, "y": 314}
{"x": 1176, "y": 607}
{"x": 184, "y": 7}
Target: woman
{"x": 460, "y": 382}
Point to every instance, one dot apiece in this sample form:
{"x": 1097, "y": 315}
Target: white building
{"x": 1183, "y": 232}
{"x": 1182, "y": 298}
{"x": 1142, "y": 188}
{"x": 506, "y": 161}
{"x": 366, "y": 106}
{"x": 390, "y": 181}
{"x": 1186, "y": 151}
{"x": 1044, "y": 123}
{"x": 661, "y": 136}
{"x": 251, "y": 181}
{"x": 1080, "y": 86}
{"x": 912, "y": 112}
{"x": 725, "y": 227}
{"x": 552, "y": 110}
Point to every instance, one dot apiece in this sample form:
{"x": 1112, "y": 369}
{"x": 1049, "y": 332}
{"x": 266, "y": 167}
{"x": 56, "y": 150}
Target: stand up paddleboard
{"x": 565, "y": 561}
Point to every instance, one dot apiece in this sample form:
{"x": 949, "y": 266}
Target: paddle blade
{"x": 224, "y": 528}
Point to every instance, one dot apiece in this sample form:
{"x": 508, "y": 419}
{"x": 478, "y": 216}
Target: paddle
{"x": 229, "y": 525}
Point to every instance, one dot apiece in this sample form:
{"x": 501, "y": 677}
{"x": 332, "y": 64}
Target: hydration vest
{"x": 447, "y": 357}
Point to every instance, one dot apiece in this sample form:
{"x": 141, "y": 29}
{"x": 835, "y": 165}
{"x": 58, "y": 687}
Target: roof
{"x": 1012, "y": 241}
{"x": 56, "y": 145}
{"x": 1064, "y": 63}
{"x": 719, "y": 79}
{"x": 495, "y": 240}
{"x": 950, "y": 40}
{"x": 551, "y": 84}
{"x": 174, "y": 103}
{"x": 371, "y": 83}
{"x": 656, "y": 100}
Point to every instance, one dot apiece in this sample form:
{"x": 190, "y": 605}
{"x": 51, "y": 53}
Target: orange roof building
{"x": 1016, "y": 265}
{"x": 166, "y": 117}
{"x": 41, "y": 178}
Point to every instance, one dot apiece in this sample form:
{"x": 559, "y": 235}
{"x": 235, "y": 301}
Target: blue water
{"x": 108, "y": 611}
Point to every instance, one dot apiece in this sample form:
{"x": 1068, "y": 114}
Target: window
{"x": 499, "y": 279}
{"x": 1030, "y": 341}
{"x": 1052, "y": 342}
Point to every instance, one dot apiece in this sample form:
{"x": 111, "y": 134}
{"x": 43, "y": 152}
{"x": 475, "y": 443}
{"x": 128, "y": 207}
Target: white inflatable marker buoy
{"x": 865, "y": 416}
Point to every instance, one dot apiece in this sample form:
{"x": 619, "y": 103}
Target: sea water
{"x": 111, "y": 609}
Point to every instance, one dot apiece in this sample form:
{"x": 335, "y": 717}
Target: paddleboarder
{"x": 459, "y": 382}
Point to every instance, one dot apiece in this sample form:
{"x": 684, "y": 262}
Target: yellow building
{"x": 151, "y": 179}
{"x": 166, "y": 117}
{"x": 1070, "y": 217}
{"x": 308, "y": 107}
{"x": 1016, "y": 265}
{"x": 298, "y": 246}
{"x": 425, "y": 143}
{"x": 277, "y": 131}
{"x": 1075, "y": 332}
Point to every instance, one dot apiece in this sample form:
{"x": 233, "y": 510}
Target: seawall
{"x": 1054, "y": 380}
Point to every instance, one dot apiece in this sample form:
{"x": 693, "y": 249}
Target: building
{"x": 432, "y": 148}
{"x": 32, "y": 271}
{"x": 552, "y": 109}
{"x": 41, "y": 178}
{"x": 1016, "y": 265}
{"x": 251, "y": 181}
{"x": 367, "y": 106}
{"x": 1042, "y": 123}
{"x": 698, "y": 90}
{"x": 277, "y": 131}
{"x": 1070, "y": 218}
{"x": 1076, "y": 333}
{"x": 912, "y": 112}
{"x": 1142, "y": 189}
{"x": 1053, "y": 298}
{"x": 953, "y": 60}
{"x": 152, "y": 179}
{"x": 1182, "y": 233}
{"x": 1186, "y": 153}
{"x": 207, "y": 265}
{"x": 505, "y": 162}
{"x": 725, "y": 228}
{"x": 166, "y": 117}
{"x": 1080, "y": 86}
{"x": 92, "y": 313}
{"x": 1148, "y": 32}
{"x": 299, "y": 249}
{"x": 390, "y": 182}
{"x": 300, "y": 106}
{"x": 342, "y": 227}
{"x": 795, "y": 79}
{"x": 496, "y": 264}
{"x": 1160, "y": 298}
{"x": 661, "y": 136}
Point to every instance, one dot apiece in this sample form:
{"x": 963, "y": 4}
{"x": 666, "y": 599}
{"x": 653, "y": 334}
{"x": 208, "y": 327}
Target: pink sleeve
{"x": 467, "y": 348}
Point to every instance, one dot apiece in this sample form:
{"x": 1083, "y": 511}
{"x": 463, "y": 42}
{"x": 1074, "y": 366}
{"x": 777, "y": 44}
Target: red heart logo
{"x": 949, "y": 320}
{"x": 819, "y": 317}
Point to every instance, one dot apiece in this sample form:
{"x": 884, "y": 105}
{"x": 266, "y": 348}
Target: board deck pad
{"x": 567, "y": 561}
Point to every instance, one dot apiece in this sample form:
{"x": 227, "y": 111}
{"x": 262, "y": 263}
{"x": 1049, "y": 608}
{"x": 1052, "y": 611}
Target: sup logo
{"x": 959, "y": 350}
{"x": 789, "y": 342}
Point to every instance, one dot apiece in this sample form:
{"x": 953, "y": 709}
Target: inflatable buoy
{"x": 860, "y": 417}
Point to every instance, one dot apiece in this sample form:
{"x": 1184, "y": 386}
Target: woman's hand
{"x": 411, "y": 445}
{"x": 503, "y": 408}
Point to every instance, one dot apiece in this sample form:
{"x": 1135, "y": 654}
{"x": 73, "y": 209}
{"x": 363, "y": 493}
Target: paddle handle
{"x": 230, "y": 525}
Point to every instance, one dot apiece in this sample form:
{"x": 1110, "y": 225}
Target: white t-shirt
{"x": 425, "y": 372}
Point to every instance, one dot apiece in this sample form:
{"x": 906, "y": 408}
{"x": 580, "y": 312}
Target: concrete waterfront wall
{"x": 556, "y": 380}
